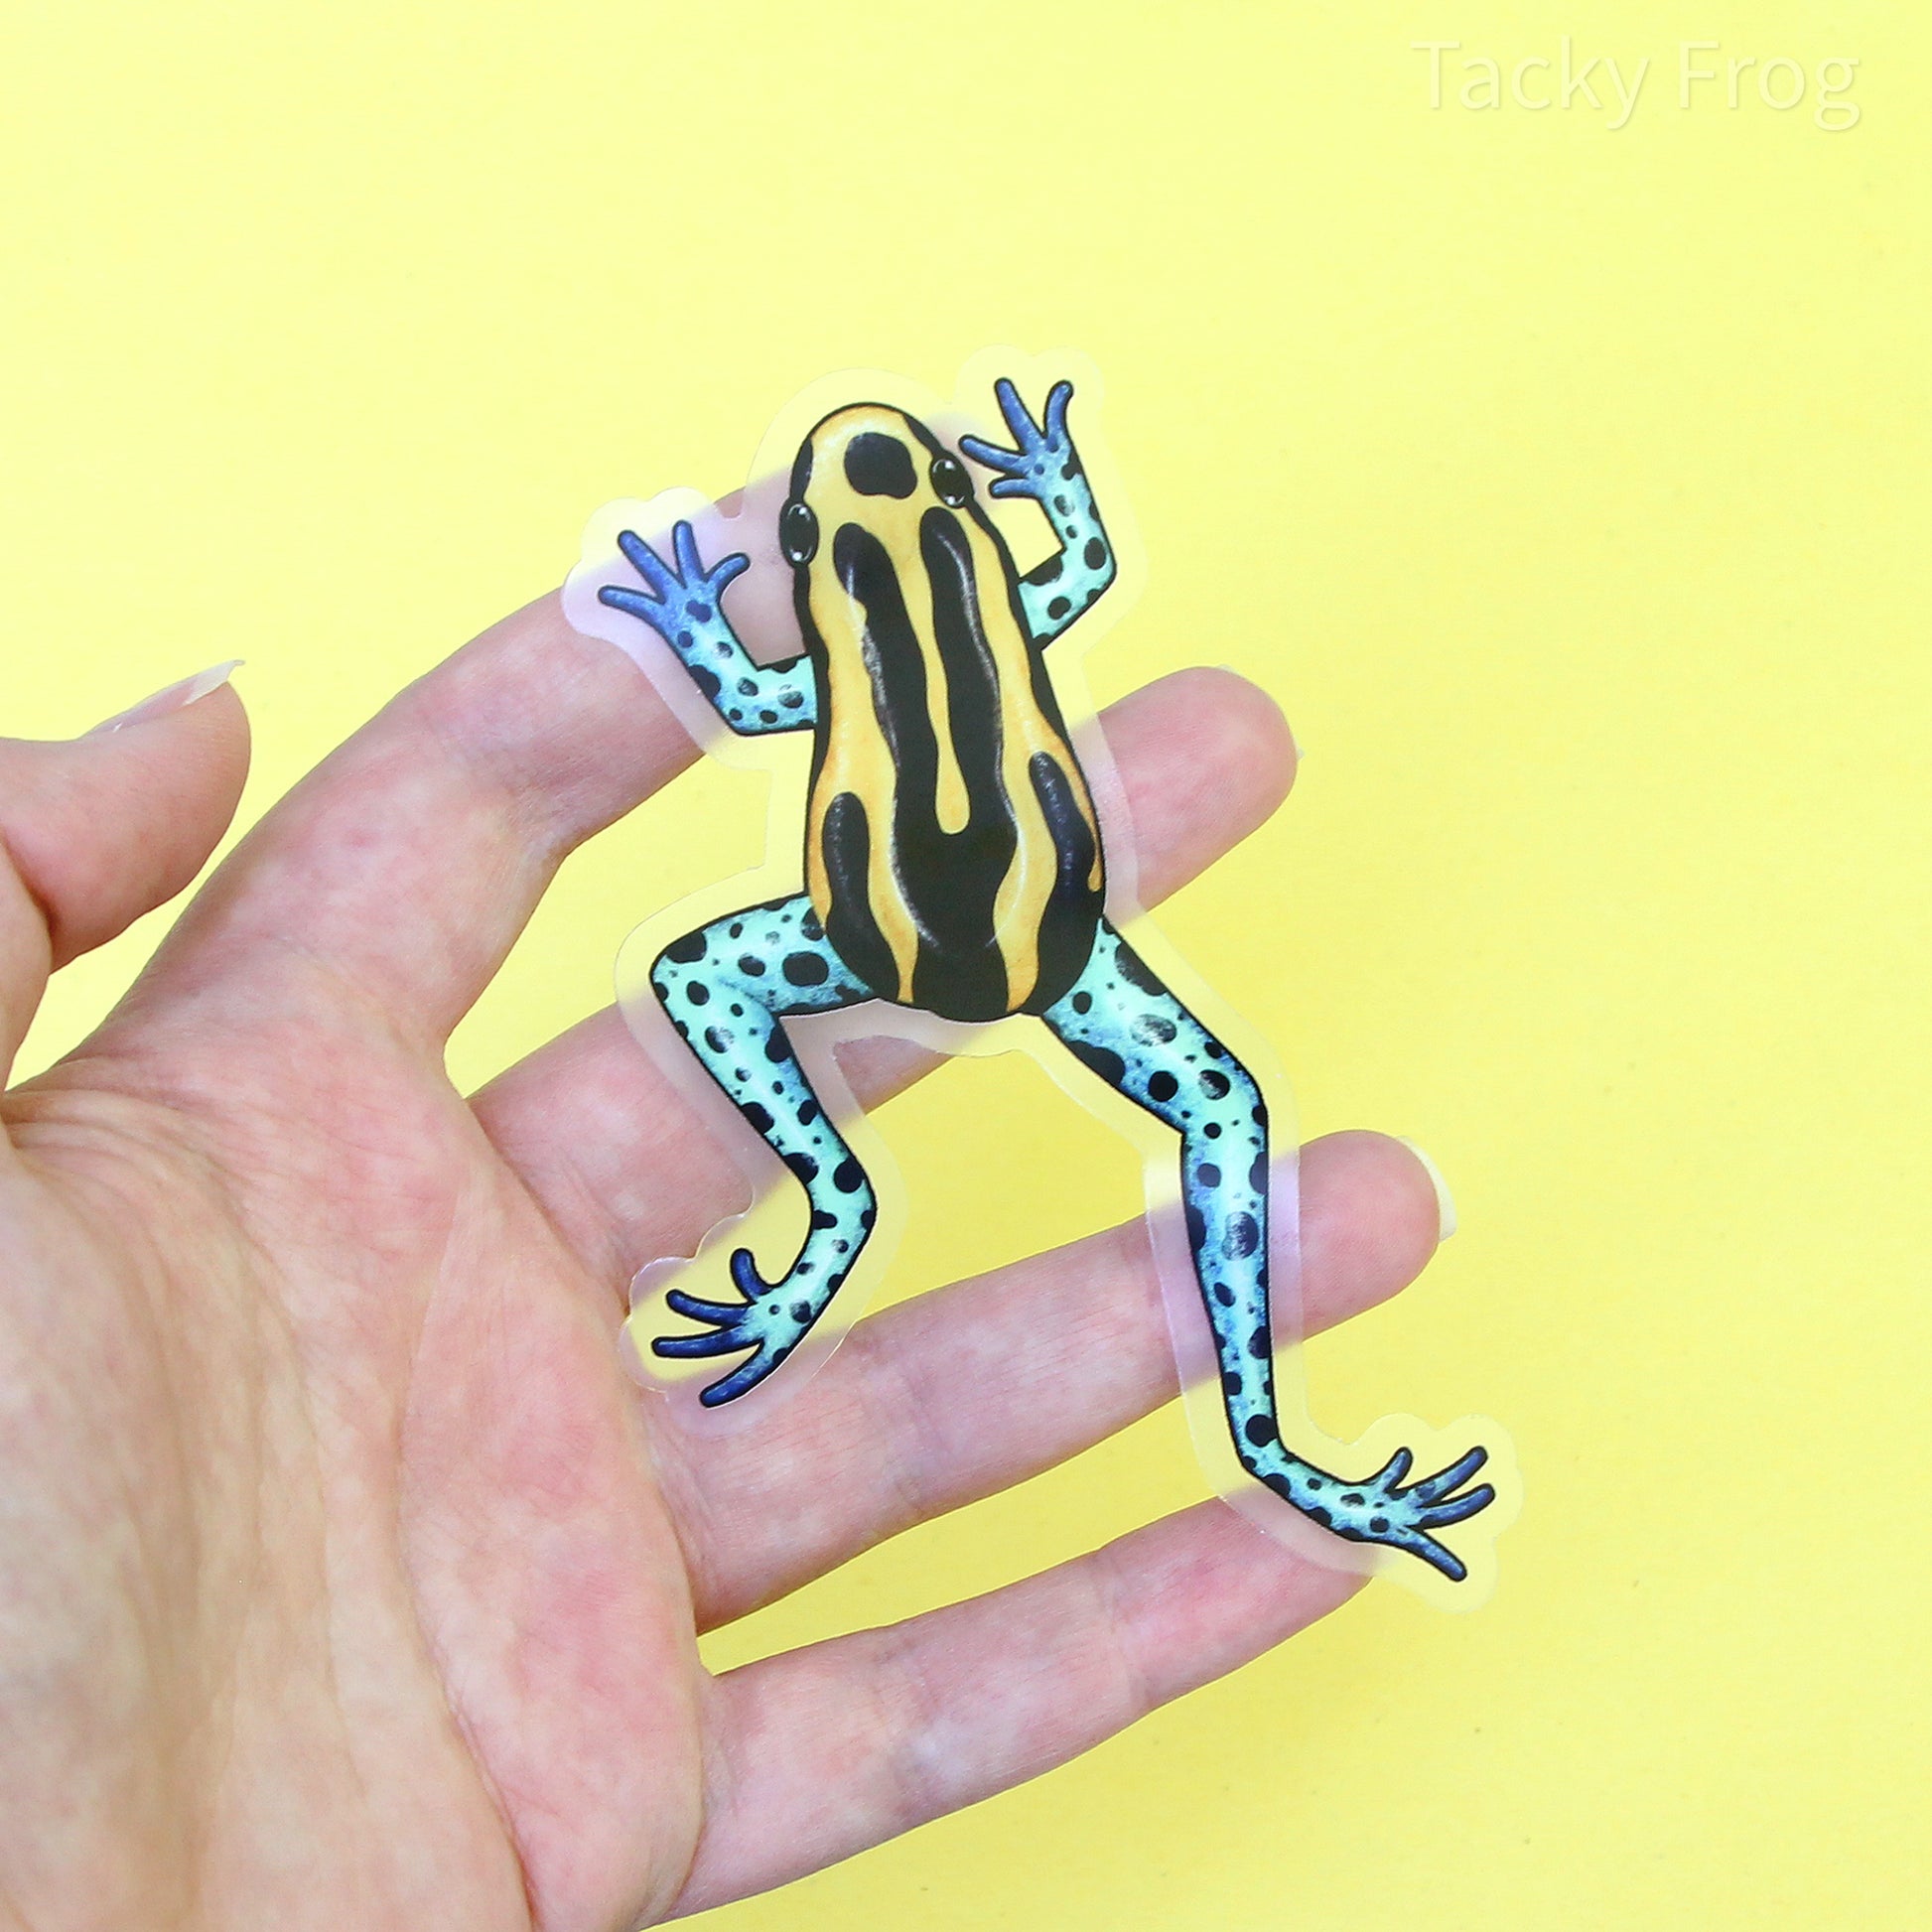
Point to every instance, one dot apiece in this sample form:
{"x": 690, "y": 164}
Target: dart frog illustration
{"x": 953, "y": 863}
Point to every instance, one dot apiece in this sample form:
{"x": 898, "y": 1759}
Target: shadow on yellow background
{"x": 1564, "y": 480}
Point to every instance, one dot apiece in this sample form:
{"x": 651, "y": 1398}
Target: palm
{"x": 364, "y": 1587}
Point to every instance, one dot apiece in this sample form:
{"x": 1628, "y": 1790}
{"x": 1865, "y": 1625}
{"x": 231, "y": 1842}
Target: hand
{"x": 349, "y": 1583}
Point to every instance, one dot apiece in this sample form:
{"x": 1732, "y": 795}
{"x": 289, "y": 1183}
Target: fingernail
{"x": 1445, "y": 1200}
{"x": 171, "y": 697}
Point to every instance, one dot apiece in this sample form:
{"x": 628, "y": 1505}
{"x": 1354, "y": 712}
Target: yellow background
{"x": 1566, "y": 485}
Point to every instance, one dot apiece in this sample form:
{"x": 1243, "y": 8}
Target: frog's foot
{"x": 776, "y": 1317}
{"x": 1045, "y": 465}
{"x": 1042, "y": 458}
{"x": 728, "y": 988}
{"x": 772, "y": 1321}
{"x": 683, "y": 594}
{"x": 684, "y": 604}
{"x": 1384, "y": 1510}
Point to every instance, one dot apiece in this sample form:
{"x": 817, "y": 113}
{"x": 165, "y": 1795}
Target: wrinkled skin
{"x": 345, "y": 1579}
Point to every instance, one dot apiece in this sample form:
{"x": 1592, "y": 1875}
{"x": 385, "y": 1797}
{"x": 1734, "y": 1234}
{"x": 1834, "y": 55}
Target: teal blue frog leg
{"x": 685, "y": 606}
{"x": 1047, "y": 466}
{"x": 728, "y": 988}
{"x": 938, "y": 878}
{"x": 1123, "y": 1023}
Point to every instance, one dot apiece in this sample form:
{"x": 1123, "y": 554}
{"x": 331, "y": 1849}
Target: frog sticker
{"x": 946, "y": 875}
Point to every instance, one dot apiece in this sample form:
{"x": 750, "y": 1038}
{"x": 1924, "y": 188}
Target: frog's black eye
{"x": 799, "y": 533}
{"x": 950, "y": 479}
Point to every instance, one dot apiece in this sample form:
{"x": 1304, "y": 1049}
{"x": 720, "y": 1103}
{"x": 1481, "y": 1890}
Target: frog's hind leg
{"x": 1124, "y": 1024}
{"x": 728, "y": 988}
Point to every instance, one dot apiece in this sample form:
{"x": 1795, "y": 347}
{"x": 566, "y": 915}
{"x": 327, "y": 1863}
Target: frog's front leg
{"x": 728, "y": 987}
{"x": 1124, "y": 1024}
{"x": 685, "y": 606}
{"x": 1047, "y": 466}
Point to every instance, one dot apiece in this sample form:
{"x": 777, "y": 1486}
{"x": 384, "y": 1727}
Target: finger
{"x": 623, "y": 1161}
{"x": 952, "y": 1396}
{"x": 404, "y": 866}
{"x": 816, "y": 1754}
{"x": 98, "y": 830}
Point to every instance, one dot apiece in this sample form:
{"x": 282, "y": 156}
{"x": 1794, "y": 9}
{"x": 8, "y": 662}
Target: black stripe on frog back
{"x": 1073, "y": 908}
{"x": 948, "y": 880}
{"x": 851, "y": 927}
{"x": 965, "y": 974}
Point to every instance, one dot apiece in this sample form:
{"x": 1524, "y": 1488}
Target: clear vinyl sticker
{"x": 890, "y": 621}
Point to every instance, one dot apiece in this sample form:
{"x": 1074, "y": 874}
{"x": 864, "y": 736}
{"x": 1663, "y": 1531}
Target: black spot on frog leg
{"x": 1102, "y": 1059}
{"x": 1136, "y": 971}
{"x": 1243, "y": 1236}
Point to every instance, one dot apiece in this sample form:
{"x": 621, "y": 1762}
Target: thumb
{"x": 97, "y": 830}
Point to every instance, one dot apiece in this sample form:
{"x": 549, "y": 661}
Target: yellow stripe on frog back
{"x": 1025, "y": 730}
{"x": 856, "y": 754}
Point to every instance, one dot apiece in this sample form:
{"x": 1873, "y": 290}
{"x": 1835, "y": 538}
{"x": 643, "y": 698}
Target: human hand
{"x": 347, "y": 1580}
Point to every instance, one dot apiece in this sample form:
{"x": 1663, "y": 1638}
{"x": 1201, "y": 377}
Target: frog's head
{"x": 874, "y": 466}
{"x": 889, "y": 549}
